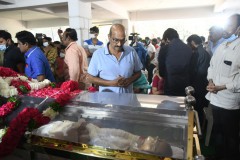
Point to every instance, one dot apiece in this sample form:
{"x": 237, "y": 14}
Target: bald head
{"x": 117, "y": 28}
{"x": 117, "y": 37}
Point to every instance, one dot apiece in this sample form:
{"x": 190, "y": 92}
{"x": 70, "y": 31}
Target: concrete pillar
{"x": 128, "y": 26}
{"x": 80, "y": 16}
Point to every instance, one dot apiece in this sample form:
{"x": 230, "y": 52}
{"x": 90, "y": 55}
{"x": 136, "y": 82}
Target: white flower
{"x": 2, "y": 133}
{"x": 23, "y": 78}
{"x": 50, "y": 113}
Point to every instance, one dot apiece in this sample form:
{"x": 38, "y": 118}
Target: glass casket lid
{"x": 124, "y": 122}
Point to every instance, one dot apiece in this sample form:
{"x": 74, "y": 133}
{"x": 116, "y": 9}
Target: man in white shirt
{"x": 151, "y": 52}
{"x": 224, "y": 92}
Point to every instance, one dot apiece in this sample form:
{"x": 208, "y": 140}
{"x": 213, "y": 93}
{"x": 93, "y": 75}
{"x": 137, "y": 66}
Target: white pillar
{"x": 80, "y": 16}
{"x": 128, "y": 27}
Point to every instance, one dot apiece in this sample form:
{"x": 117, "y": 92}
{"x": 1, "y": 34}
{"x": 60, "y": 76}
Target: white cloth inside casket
{"x": 111, "y": 138}
{"x": 104, "y": 137}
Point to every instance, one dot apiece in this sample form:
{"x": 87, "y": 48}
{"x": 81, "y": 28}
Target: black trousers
{"x": 150, "y": 72}
{"x": 226, "y": 133}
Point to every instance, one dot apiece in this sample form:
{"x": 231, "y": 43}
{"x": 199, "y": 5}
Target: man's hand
{"x": 214, "y": 89}
{"x": 126, "y": 82}
{"x": 119, "y": 82}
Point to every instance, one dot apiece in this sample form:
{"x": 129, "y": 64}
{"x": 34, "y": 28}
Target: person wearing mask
{"x": 174, "y": 62}
{"x": 115, "y": 67}
{"x": 50, "y": 51}
{"x": 224, "y": 92}
{"x": 92, "y": 44}
{"x": 37, "y": 66}
{"x": 215, "y": 39}
{"x": 75, "y": 61}
{"x": 13, "y": 58}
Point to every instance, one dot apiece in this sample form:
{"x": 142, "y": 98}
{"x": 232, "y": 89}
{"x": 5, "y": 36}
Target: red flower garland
{"x": 19, "y": 85}
{"x": 16, "y": 130}
{"x": 92, "y": 89}
{"x": 29, "y": 118}
{"x": 70, "y": 85}
{"x": 63, "y": 99}
{"x": 7, "y": 108}
{"x": 7, "y": 72}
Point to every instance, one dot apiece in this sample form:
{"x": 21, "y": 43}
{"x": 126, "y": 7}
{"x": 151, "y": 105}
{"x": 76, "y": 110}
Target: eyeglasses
{"x": 115, "y": 40}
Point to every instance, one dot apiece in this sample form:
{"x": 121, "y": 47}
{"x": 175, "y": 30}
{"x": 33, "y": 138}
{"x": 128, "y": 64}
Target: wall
{"x": 12, "y": 26}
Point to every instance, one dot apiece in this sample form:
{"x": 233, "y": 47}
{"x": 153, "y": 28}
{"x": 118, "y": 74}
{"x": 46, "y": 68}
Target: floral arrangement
{"x": 70, "y": 87}
{"x": 27, "y": 120}
{"x": 7, "y": 72}
{"x": 22, "y": 86}
{"x": 92, "y": 89}
{"x": 11, "y": 84}
{"x": 7, "y": 108}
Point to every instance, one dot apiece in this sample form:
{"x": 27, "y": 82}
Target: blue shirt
{"x": 37, "y": 64}
{"x": 106, "y": 66}
{"x": 142, "y": 53}
{"x": 88, "y": 44}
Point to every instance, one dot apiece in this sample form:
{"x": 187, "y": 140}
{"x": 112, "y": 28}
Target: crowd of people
{"x": 151, "y": 66}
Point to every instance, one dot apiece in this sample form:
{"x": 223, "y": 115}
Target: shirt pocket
{"x": 228, "y": 65}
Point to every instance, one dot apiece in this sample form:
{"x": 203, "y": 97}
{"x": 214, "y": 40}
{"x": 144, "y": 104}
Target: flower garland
{"x": 11, "y": 83}
{"x": 22, "y": 87}
{"x": 70, "y": 87}
{"x": 7, "y": 72}
{"x": 28, "y": 119}
{"x": 8, "y": 107}
{"x": 92, "y": 89}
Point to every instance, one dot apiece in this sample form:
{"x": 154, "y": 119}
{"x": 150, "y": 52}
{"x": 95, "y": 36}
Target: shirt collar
{"x": 74, "y": 42}
{"x": 107, "y": 51}
{"x": 29, "y": 51}
{"x": 9, "y": 48}
{"x": 233, "y": 44}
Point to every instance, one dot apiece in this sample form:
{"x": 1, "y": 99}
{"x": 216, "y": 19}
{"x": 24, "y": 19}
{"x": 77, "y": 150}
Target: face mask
{"x": 3, "y": 47}
{"x": 62, "y": 55}
{"x": 92, "y": 36}
{"x": 45, "y": 44}
{"x": 232, "y": 38}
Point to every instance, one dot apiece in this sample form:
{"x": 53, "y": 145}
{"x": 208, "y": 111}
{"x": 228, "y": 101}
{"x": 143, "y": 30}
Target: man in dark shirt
{"x": 201, "y": 62}
{"x": 13, "y": 58}
{"x": 174, "y": 64}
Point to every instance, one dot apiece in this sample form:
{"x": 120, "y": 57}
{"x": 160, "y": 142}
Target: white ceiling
{"x": 110, "y": 10}
{"x": 133, "y": 5}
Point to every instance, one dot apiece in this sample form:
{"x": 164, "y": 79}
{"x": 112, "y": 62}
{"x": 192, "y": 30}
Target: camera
{"x": 132, "y": 38}
{"x": 39, "y": 37}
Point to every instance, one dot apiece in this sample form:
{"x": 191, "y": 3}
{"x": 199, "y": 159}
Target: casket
{"x": 119, "y": 126}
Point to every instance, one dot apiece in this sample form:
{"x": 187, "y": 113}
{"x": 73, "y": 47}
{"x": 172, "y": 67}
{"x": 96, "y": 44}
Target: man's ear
{"x": 27, "y": 45}
{"x": 9, "y": 41}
